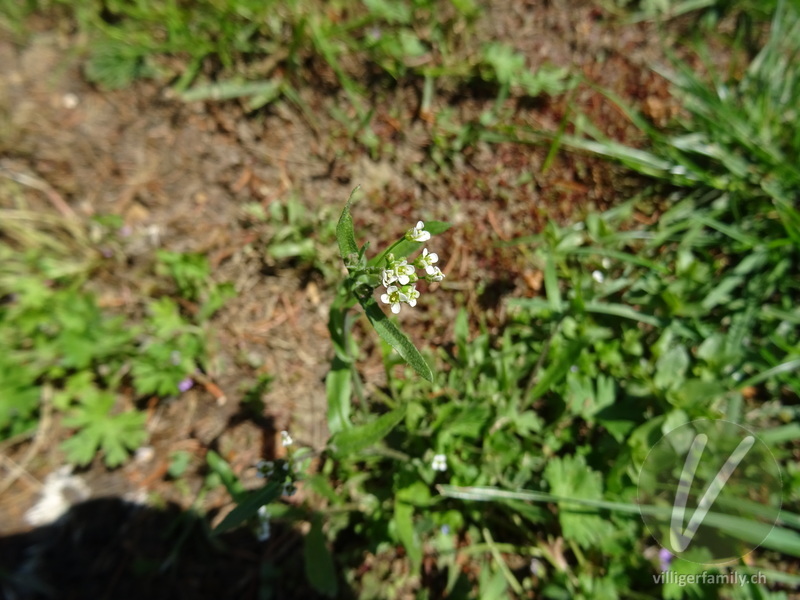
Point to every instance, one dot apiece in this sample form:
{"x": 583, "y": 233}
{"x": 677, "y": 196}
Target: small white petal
{"x": 385, "y": 298}
{"x": 403, "y": 279}
{"x": 396, "y": 307}
{"x": 598, "y": 276}
{"x": 433, "y": 257}
{"x": 388, "y": 276}
{"x": 439, "y": 462}
{"x": 412, "y": 302}
{"x": 420, "y": 225}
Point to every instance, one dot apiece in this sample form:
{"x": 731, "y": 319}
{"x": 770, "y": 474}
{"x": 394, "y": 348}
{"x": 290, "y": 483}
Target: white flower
{"x": 426, "y": 261}
{"x": 417, "y": 234}
{"x": 394, "y": 297}
{"x": 401, "y": 271}
{"x": 265, "y": 468}
{"x": 434, "y": 274}
{"x": 598, "y": 276}
{"x": 439, "y": 463}
{"x": 263, "y": 524}
{"x": 289, "y": 488}
{"x": 286, "y": 439}
{"x": 388, "y": 277}
{"x": 405, "y": 273}
{"x": 412, "y": 294}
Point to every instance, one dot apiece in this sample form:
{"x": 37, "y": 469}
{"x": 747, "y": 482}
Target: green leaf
{"x": 570, "y": 477}
{"x": 221, "y": 467}
{"x": 338, "y": 387}
{"x": 166, "y": 318}
{"x": 781, "y": 434}
{"x": 320, "y": 569}
{"x": 558, "y": 368}
{"x": 248, "y": 507}
{"x": 775, "y": 537}
{"x": 391, "y": 12}
{"x": 395, "y": 338}
{"x": 178, "y": 463}
{"x": 264, "y": 91}
{"x": 624, "y": 311}
{"x": 404, "y": 526}
{"x": 357, "y": 439}
{"x": 345, "y": 234}
{"x": 303, "y": 248}
{"x": 671, "y": 368}
{"x": 551, "y": 284}
{"x": 217, "y": 296}
{"x": 461, "y": 334}
{"x": 115, "y": 434}
{"x": 20, "y": 397}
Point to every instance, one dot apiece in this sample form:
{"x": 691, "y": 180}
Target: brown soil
{"x": 179, "y": 175}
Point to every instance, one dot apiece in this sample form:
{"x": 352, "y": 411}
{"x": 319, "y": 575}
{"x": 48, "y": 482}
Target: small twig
{"x": 19, "y": 471}
{"x": 38, "y": 184}
{"x": 211, "y": 387}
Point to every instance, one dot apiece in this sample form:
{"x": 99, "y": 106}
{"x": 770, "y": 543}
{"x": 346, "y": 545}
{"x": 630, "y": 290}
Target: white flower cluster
{"x": 439, "y": 463}
{"x": 400, "y": 278}
{"x": 286, "y": 439}
{"x": 268, "y": 469}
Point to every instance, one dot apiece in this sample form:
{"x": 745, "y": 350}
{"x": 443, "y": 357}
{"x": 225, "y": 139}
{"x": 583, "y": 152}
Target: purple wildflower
{"x": 664, "y": 559}
{"x": 186, "y": 384}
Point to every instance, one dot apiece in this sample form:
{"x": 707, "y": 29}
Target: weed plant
{"x": 61, "y": 353}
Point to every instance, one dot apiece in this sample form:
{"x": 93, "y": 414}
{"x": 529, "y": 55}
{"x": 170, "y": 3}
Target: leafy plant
{"x": 562, "y": 407}
{"x": 390, "y": 268}
{"x": 56, "y": 337}
{"x": 98, "y": 428}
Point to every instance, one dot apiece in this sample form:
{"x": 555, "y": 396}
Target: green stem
{"x": 386, "y": 252}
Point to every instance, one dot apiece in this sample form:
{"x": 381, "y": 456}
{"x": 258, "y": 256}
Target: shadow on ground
{"x": 108, "y": 548}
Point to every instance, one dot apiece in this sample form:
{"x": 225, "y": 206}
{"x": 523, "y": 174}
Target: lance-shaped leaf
{"x": 338, "y": 386}
{"x": 345, "y": 235}
{"x": 395, "y": 338}
{"x": 249, "y": 505}
{"x": 320, "y": 568}
{"x": 354, "y": 440}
